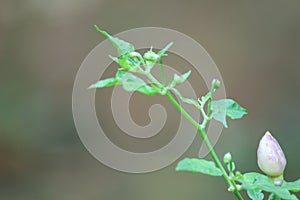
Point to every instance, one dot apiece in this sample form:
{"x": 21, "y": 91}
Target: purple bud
{"x": 270, "y": 157}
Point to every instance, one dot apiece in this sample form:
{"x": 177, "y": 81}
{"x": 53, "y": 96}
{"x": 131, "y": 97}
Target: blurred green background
{"x": 256, "y": 46}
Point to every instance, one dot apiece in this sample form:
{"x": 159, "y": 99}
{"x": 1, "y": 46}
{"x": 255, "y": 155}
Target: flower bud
{"x": 216, "y": 83}
{"x": 227, "y": 158}
{"x": 151, "y": 56}
{"x": 270, "y": 157}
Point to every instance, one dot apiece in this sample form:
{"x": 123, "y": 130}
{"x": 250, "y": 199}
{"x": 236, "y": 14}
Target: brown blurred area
{"x": 256, "y": 46}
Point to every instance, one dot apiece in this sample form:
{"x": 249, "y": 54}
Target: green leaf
{"x": 109, "y": 81}
{"x": 281, "y": 192}
{"x": 294, "y": 197}
{"x": 186, "y": 100}
{"x": 234, "y": 110}
{"x": 177, "y": 80}
{"x": 272, "y": 196}
{"x": 219, "y": 112}
{"x": 114, "y": 58}
{"x": 248, "y": 179}
{"x": 121, "y": 46}
{"x": 105, "y": 83}
{"x": 199, "y": 166}
{"x": 164, "y": 50}
{"x": 292, "y": 186}
{"x": 255, "y": 194}
{"x": 133, "y": 83}
{"x": 256, "y": 181}
{"x": 227, "y": 107}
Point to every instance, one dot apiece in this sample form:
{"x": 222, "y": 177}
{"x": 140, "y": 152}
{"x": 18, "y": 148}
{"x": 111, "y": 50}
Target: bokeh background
{"x": 256, "y": 46}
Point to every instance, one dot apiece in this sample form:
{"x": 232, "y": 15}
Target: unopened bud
{"x": 270, "y": 157}
{"x": 227, "y": 158}
{"x": 216, "y": 83}
{"x": 151, "y": 56}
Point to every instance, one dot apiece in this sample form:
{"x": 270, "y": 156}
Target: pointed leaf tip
{"x": 227, "y": 107}
{"x": 177, "y": 80}
{"x": 105, "y": 83}
{"x": 164, "y": 50}
{"x": 122, "y": 46}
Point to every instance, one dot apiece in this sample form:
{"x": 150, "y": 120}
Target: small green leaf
{"x": 238, "y": 175}
{"x": 281, "y": 192}
{"x": 219, "y": 112}
{"x": 186, "y": 100}
{"x": 271, "y": 196}
{"x": 114, "y": 58}
{"x": 121, "y": 46}
{"x": 199, "y": 166}
{"x": 292, "y": 186}
{"x": 255, "y": 194}
{"x": 109, "y": 81}
{"x": 164, "y": 50}
{"x": 234, "y": 110}
{"x": 251, "y": 177}
{"x": 227, "y": 107}
{"x": 105, "y": 83}
{"x": 294, "y": 197}
{"x": 133, "y": 83}
{"x": 177, "y": 80}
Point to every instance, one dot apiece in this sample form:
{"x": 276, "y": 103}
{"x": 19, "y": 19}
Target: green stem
{"x": 203, "y": 134}
{"x": 162, "y": 71}
{"x": 233, "y": 181}
{"x": 206, "y": 117}
{"x": 153, "y": 80}
{"x": 209, "y": 107}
